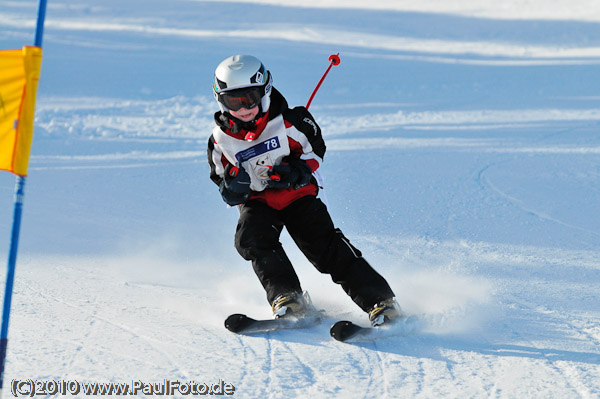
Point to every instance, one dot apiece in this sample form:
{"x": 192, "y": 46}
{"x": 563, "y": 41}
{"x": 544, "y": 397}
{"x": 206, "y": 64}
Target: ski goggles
{"x": 241, "y": 98}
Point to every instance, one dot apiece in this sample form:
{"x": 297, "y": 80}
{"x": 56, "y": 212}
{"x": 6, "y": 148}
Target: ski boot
{"x": 385, "y": 312}
{"x": 293, "y": 304}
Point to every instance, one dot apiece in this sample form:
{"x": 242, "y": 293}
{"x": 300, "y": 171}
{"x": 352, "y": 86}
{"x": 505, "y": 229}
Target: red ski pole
{"x": 334, "y": 59}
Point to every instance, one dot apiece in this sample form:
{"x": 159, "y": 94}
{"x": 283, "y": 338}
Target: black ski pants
{"x": 309, "y": 224}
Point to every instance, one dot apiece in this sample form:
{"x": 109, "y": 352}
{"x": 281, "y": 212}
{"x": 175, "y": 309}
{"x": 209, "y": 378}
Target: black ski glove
{"x": 235, "y": 187}
{"x": 291, "y": 172}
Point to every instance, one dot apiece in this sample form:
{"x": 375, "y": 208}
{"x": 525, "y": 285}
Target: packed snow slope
{"x": 463, "y": 160}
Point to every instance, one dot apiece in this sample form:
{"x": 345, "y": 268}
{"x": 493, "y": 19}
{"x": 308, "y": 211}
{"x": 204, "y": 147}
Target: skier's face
{"x": 245, "y": 115}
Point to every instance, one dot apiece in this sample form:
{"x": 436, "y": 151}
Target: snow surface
{"x": 463, "y": 160}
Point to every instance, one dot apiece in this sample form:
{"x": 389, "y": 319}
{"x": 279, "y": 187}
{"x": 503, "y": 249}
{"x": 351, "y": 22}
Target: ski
{"x": 242, "y": 324}
{"x": 345, "y": 331}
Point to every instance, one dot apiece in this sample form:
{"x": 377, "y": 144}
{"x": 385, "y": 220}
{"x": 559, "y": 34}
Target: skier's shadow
{"x": 432, "y": 346}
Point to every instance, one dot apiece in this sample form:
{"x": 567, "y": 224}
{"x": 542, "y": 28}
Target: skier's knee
{"x": 251, "y": 246}
{"x": 244, "y": 246}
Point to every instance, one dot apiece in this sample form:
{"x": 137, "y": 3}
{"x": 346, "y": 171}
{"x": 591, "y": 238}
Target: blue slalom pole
{"x": 10, "y": 275}
{"x": 39, "y": 30}
{"x": 16, "y": 228}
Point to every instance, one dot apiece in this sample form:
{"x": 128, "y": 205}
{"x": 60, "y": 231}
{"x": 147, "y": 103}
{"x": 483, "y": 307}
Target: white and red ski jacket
{"x": 279, "y": 133}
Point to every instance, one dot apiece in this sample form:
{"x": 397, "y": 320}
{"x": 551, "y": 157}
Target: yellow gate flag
{"x": 19, "y": 74}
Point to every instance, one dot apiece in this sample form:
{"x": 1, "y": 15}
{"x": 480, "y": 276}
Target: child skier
{"x": 262, "y": 155}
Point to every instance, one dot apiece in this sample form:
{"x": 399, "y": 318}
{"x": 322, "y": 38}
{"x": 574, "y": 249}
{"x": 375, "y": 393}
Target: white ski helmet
{"x": 242, "y": 81}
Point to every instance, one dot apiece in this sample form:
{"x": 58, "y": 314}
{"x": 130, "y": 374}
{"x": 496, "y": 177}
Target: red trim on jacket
{"x": 261, "y": 124}
{"x": 313, "y": 163}
{"x": 279, "y": 199}
{"x": 295, "y": 147}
